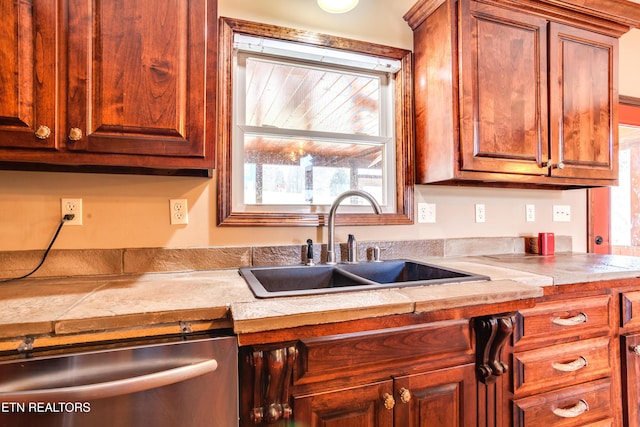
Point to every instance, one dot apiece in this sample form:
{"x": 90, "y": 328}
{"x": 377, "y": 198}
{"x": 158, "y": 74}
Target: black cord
{"x": 66, "y": 218}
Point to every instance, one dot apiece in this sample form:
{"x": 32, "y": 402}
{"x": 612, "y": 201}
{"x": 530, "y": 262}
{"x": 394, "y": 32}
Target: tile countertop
{"x": 64, "y": 306}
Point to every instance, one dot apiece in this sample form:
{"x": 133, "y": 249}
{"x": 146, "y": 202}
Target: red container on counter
{"x": 546, "y": 243}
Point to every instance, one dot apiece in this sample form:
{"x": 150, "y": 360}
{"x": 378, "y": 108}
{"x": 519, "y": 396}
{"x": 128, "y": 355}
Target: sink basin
{"x": 268, "y": 282}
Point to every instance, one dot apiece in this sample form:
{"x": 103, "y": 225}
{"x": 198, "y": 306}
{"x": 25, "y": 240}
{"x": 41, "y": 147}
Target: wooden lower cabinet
{"x": 411, "y": 376}
{"x": 630, "y": 358}
{"x": 572, "y": 406}
{"x": 368, "y": 405}
{"x": 443, "y": 398}
{"x": 564, "y": 368}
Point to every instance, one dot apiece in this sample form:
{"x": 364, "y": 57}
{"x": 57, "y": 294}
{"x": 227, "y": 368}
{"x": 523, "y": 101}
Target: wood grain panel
{"x": 545, "y": 368}
{"x": 503, "y": 113}
{"x": 583, "y": 110}
{"x": 630, "y": 309}
{"x": 538, "y": 325}
{"x": 137, "y": 77}
{"x": 349, "y": 352}
{"x": 361, "y": 406}
{"x": 444, "y": 398}
{"x": 538, "y": 410}
{"x": 630, "y": 379}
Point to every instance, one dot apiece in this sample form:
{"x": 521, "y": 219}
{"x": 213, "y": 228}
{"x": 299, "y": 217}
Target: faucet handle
{"x": 376, "y": 254}
{"x": 310, "y": 252}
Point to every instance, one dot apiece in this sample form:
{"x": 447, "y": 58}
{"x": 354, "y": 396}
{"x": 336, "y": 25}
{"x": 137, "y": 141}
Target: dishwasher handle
{"x": 113, "y": 388}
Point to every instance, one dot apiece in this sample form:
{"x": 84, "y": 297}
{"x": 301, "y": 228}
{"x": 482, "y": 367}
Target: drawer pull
{"x": 636, "y": 349}
{"x": 576, "y": 365}
{"x": 571, "y": 321}
{"x": 578, "y": 409}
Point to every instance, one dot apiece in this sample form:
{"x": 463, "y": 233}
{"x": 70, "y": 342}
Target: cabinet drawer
{"x": 367, "y": 351}
{"x": 561, "y": 365}
{"x": 572, "y": 406}
{"x": 630, "y": 309}
{"x": 556, "y": 320}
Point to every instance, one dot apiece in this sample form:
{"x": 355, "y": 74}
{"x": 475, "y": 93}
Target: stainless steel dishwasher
{"x": 173, "y": 384}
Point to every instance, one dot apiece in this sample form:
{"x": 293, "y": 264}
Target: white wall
{"x": 630, "y": 63}
{"x": 132, "y": 211}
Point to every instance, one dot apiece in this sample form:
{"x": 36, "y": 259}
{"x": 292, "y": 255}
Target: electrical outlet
{"x": 480, "y": 213}
{"x": 561, "y": 213}
{"x": 426, "y": 212}
{"x": 530, "y": 213}
{"x": 72, "y": 207}
{"x": 178, "y": 211}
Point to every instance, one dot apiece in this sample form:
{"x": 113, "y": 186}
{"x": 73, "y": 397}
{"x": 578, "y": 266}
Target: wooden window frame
{"x": 404, "y": 132}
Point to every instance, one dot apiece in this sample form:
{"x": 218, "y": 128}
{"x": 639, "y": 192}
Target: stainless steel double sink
{"x": 281, "y": 281}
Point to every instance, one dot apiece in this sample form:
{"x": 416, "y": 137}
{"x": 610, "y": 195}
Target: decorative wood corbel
{"x": 492, "y": 333}
{"x": 272, "y": 373}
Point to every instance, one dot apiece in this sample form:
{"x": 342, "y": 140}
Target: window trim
{"x": 403, "y": 133}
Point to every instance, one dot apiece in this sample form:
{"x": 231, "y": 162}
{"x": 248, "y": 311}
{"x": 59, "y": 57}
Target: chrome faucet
{"x": 331, "y": 255}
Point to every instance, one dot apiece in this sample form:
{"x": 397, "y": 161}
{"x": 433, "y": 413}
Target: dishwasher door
{"x": 182, "y": 383}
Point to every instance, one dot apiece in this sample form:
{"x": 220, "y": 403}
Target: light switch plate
{"x": 530, "y": 213}
{"x": 561, "y": 213}
{"x": 480, "y": 213}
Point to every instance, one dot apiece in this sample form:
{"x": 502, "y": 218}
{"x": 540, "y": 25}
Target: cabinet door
{"x": 140, "y": 73}
{"x": 369, "y": 405}
{"x": 444, "y": 398}
{"x": 629, "y": 344}
{"x": 503, "y": 104}
{"x": 583, "y": 103}
{"x": 27, "y": 74}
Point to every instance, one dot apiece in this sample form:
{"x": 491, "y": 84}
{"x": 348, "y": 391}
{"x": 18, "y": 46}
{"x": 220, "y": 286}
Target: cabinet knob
{"x": 636, "y": 349}
{"x": 571, "y": 321}
{"x": 43, "y": 132}
{"x": 576, "y": 410}
{"x": 388, "y": 400}
{"x": 405, "y": 395}
{"x": 75, "y": 134}
{"x": 576, "y": 365}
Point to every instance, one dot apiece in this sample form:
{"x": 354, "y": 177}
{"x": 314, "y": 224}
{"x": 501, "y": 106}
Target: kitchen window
{"x": 304, "y": 121}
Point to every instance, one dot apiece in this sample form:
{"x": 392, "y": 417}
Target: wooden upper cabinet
{"x": 521, "y": 94}
{"x": 584, "y": 98}
{"x": 136, "y": 74}
{"x": 136, "y": 88}
{"x": 27, "y": 74}
{"x": 503, "y": 107}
